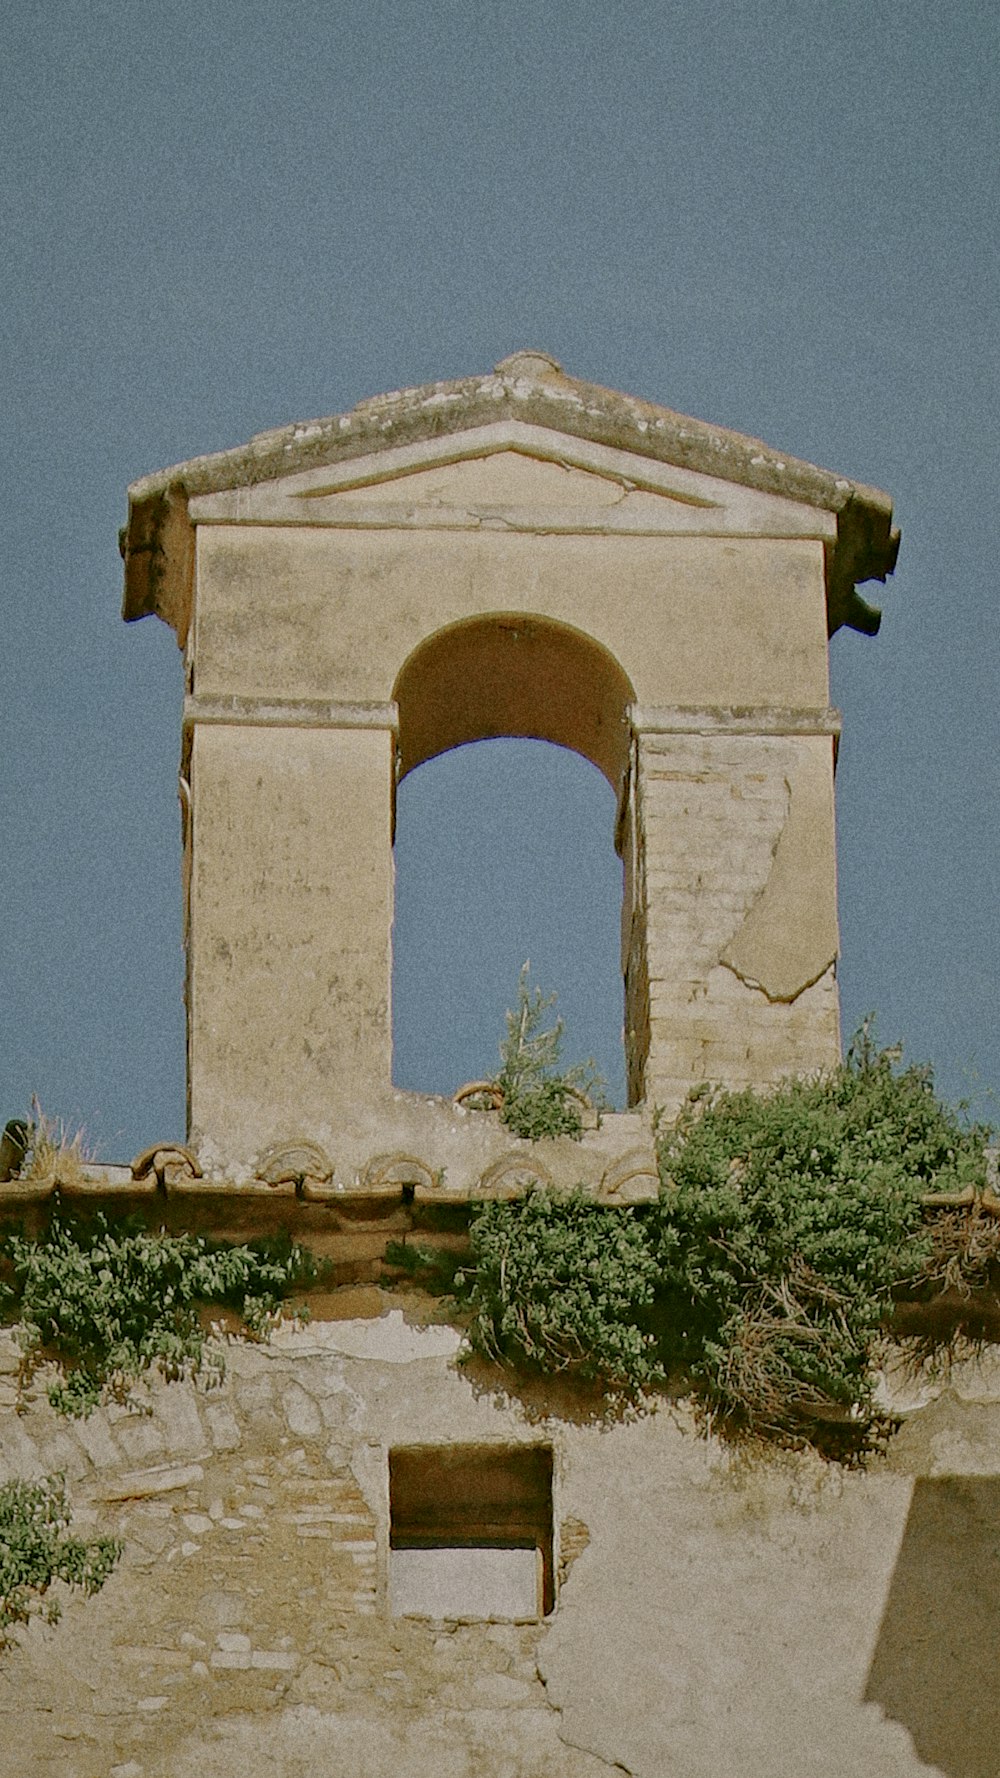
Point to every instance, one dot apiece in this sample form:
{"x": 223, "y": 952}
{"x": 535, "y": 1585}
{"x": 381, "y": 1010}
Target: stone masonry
{"x": 515, "y": 554}
{"x": 713, "y": 1613}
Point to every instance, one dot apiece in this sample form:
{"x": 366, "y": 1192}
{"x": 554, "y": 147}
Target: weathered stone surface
{"x": 390, "y": 1339}
{"x": 301, "y": 1412}
{"x": 19, "y": 1455}
{"x": 223, "y": 1428}
{"x": 540, "y": 560}
{"x": 178, "y": 1417}
{"x": 138, "y": 1484}
{"x": 763, "y": 1617}
{"x": 490, "y": 1744}
{"x": 95, "y": 1436}
{"x": 464, "y": 1583}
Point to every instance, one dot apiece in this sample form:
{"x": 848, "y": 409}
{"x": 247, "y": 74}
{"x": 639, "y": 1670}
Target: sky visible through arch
{"x": 781, "y": 218}
{"x": 512, "y": 844}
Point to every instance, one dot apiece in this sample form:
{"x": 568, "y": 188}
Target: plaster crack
{"x": 788, "y": 937}
{"x": 611, "y": 1765}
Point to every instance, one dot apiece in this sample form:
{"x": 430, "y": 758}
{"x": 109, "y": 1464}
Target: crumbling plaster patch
{"x": 789, "y": 937}
{"x": 688, "y": 1638}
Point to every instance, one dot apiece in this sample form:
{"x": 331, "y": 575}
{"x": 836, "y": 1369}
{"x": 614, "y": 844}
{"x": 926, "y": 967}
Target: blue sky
{"x": 779, "y": 217}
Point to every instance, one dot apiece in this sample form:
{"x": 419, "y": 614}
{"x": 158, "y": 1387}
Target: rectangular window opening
{"x": 470, "y": 1532}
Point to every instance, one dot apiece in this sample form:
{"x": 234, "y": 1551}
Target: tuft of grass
{"x": 53, "y": 1156}
{"x": 36, "y": 1549}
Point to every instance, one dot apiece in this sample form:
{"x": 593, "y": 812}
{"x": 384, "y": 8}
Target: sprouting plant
{"x": 538, "y": 1097}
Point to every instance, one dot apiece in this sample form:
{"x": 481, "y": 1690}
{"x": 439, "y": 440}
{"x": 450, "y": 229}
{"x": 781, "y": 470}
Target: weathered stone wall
{"x": 358, "y": 595}
{"x": 738, "y": 878}
{"x": 765, "y": 1618}
{"x": 327, "y": 651}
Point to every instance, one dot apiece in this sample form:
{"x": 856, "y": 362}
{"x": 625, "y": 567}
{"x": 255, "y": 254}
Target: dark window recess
{"x": 474, "y": 1497}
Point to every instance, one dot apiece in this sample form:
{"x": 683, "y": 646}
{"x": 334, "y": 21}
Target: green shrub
{"x": 434, "y": 1269}
{"x": 539, "y": 1098}
{"x": 764, "y": 1275}
{"x": 108, "y": 1303}
{"x": 35, "y": 1550}
{"x": 563, "y": 1284}
{"x": 787, "y": 1220}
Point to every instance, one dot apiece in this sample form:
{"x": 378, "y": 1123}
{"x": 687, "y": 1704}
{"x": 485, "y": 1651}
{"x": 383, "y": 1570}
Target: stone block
{"x": 465, "y": 1583}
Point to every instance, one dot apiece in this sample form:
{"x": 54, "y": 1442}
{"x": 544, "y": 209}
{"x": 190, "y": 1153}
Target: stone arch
{"x": 513, "y": 674}
{"x": 519, "y": 675}
{"x": 386, "y": 551}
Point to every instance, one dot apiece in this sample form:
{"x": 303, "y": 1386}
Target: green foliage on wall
{"x": 36, "y": 1549}
{"x": 560, "y": 1284}
{"x": 788, "y": 1220}
{"x": 109, "y": 1303}
{"x": 764, "y": 1275}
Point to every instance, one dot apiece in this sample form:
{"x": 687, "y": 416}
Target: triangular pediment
{"x": 440, "y": 455}
{"x": 521, "y": 476}
{"x": 504, "y": 478}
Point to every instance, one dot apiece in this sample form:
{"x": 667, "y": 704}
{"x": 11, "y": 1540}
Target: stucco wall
{"x": 689, "y": 663}
{"x": 291, "y": 913}
{"x": 321, "y": 613}
{"x": 714, "y": 1615}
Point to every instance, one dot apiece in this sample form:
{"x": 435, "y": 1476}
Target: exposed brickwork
{"x": 250, "y": 1591}
{"x": 711, "y": 812}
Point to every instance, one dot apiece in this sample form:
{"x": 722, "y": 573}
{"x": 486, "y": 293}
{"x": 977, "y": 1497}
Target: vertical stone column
{"x": 734, "y": 923}
{"x": 289, "y": 925}
{"x": 634, "y": 953}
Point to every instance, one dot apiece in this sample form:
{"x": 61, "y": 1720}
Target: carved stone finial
{"x": 528, "y": 364}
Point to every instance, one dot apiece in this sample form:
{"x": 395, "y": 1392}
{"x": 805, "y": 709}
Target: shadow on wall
{"x": 935, "y": 1667}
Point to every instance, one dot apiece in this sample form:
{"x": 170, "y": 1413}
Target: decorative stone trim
{"x": 249, "y": 712}
{"x": 168, "y": 1162}
{"x": 479, "y": 1089}
{"x": 292, "y": 1163}
{"x": 683, "y": 719}
{"x": 632, "y": 1179}
{"x": 394, "y": 1172}
{"x": 513, "y": 1175}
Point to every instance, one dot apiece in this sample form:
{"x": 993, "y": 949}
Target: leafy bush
{"x": 111, "y": 1302}
{"x": 766, "y": 1271}
{"x": 787, "y": 1220}
{"x": 539, "y": 1098}
{"x": 560, "y": 1284}
{"x": 35, "y": 1550}
{"x": 433, "y": 1269}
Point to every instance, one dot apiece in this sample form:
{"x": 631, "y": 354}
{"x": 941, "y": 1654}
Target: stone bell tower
{"x": 513, "y": 554}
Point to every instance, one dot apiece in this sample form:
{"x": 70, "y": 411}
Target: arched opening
{"x": 506, "y": 849}
{"x": 514, "y": 675}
